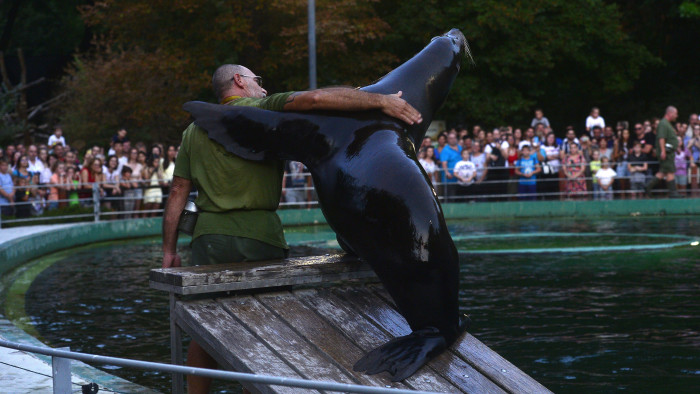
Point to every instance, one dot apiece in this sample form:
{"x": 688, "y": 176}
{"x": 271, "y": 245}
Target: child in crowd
{"x": 681, "y": 161}
{"x": 57, "y": 138}
{"x": 465, "y": 172}
{"x": 604, "y": 179}
{"x": 594, "y": 167}
{"x": 527, "y": 168}
{"x": 637, "y": 166}
{"x": 129, "y": 189}
{"x": 72, "y": 188}
{"x": 7, "y": 189}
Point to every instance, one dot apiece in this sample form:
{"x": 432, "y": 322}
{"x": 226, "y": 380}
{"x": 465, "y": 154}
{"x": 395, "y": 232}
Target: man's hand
{"x": 663, "y": 155}
{"x": 171, "y": 260}
{"x": 396, "y": 107}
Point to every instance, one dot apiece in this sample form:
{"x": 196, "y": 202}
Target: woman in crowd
{"x": 168, "y": 167}
{"x": 549, "y": 157}
{"x": 21, "y": 170}
{"x": 478, "y": 157}
{"x": 575, "y": 169}
{"x": 693, "y": 146}
{"x": 16, "y": 156}
{"x": 513, "y": 156}
{"x": 111, "y": 185}
{"x": 136, "y": 161}
{"x": 517, "y": 137}
{"x": 48, "y": 162}
{"x": 681, "y": 161}
{"x": 441, "y": 142}
{"x": 128, "y": 188}
{"x": 91, "y": 174}
{"x": 59, "y": 185}
{"x": 427, "y": 160}
{"x": 153, "y": 195}
{"x": 620, "y": 155}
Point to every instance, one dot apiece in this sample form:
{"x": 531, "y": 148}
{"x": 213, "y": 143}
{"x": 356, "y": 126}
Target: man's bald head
{"x": 671, "y": 113}
{"x": 223, "y": 78}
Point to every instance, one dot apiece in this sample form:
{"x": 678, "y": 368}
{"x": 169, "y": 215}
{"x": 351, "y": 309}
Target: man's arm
{"x": 346, "y": 99}
{"x": 176, "y": 203}
{"x": 662, "y": 147}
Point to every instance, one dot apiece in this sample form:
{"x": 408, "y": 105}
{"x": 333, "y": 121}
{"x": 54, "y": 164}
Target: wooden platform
{"x": 316, "y": 332}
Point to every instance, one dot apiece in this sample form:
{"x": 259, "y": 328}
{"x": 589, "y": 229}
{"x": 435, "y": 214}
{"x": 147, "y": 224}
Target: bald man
{"x": 666, "y": 144}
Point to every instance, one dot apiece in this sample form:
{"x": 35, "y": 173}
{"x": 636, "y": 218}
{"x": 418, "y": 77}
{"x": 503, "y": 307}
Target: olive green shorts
{"x": 222, "y": 249}
{"x": 668, "y": 166}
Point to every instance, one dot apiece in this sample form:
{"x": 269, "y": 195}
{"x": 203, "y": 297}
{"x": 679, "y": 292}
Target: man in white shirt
{"x": 35, "y": 165}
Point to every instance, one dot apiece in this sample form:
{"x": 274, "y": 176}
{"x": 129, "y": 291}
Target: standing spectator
{"x": 530, "y": 140}
{"x": 22, "y": 194}
{"x": 479, "y": 159}
{"x": 427, "y": 141}
{"x": 47, "y": 161}
{"x": 2, "y": 153}
{"x": 57, "y": 138}
{"x": 638, "y": 168}
{"x": 35, "y": 164}
{"x": 7, "y": 189}
{"x": 128, "y": 188}
{"x": 111, "y": 182}
{"x": 607, "y": 144}
{"x": 498, "y": 173}
{"x": 22, "y": 170}
{"x": 449, "y": 157}
{"x": 73, "y": 182}
{"x": 427, "y": 160}
{"x": 295, "y": 182}
{"x": 153, "y": 194}
{"x": 604, "y": 178}
{"x": 575, "y": 169}
{"x": 465, "y": 172}
{"x": 122, "y": 157}
{"x": 15, "y": 159}
{"x": 9, "y": 154}
{"x": 666, "y": 144}
{"x": 539, "y": 119}
{"x": 527, "y": 168}
{"x": 594, "y": 167}
{"x": 90, "y": 174}
{"x": 168, "y": 167}
{"x": 137, "y": 159}
{"x": 623, "y": 146}
{"x": 594, "y": 119}
{"x": 57, "y": 190}
{"x": 549, "y": 157}
{"x": 681, "y": 161}
{"x": 693, "y": 148}
{"x": 441, "y": 142}
{"x": 512, "y": 158}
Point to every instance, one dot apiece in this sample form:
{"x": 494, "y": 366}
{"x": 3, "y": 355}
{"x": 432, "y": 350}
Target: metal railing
{"x": 61, "y": 374}
{"x": 98, "y": 207}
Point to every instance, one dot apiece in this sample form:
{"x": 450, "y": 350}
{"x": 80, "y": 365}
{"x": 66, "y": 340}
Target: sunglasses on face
{"x": 257, "y": 79}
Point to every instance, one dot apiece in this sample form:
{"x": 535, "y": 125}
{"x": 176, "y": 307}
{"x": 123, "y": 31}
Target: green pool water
{"x": 577, "y": 321}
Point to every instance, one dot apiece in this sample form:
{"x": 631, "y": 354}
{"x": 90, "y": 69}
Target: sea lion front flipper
{"x": 403, "y": 356}
{"x": 237, "y": 128}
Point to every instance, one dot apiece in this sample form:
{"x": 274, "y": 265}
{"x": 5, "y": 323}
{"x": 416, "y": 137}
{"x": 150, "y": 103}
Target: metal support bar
{"x": 60, "y": 372}
{"x": 176, "y": 348}
{"x": 96, "y": 201}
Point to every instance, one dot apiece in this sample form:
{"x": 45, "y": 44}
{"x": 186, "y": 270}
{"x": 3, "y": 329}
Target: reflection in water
{"x": 575, "y": 322}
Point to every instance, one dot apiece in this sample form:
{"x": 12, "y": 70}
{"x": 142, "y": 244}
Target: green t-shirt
{"x": 668, "y": 133}
{"x": 237, "y": 197}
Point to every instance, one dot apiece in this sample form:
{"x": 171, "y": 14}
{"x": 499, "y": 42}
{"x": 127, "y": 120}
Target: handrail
{"x": 209, "y": 373}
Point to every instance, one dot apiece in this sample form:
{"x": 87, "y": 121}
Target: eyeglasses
{"x": 258, "y": 80}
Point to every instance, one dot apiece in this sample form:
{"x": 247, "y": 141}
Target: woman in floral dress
{"x": 574, "y": 169}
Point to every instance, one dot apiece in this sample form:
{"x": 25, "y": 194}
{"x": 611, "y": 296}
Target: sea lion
{"x": 374, "y": 194}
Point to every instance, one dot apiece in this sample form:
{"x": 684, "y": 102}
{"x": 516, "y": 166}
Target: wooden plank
{"x": 231, "y": 344}
{"x": 367, "y": 336}
{"x": 322, "y": 335}
{"x": 448, "y": 365}
{"x": 269, "y": 328}
{"x": 259, "y": 274}
{"x": 488, "y": 362}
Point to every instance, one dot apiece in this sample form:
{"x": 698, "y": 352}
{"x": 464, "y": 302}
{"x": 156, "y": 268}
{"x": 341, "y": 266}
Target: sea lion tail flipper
{"x": 403, "y": 356}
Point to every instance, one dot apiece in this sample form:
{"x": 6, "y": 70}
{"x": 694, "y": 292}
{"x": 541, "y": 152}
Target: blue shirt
{"x": 7, "y": 186}
{"x": 527, "y": 166}
{"x": 451, "y": 157}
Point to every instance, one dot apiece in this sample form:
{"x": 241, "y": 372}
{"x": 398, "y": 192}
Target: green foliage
{"x": 690, "y": 9}
{"x": 8, "y": 126}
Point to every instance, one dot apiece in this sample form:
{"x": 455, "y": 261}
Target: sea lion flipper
{"x": 403, "y": 356}
{"x": 237, "y": 128}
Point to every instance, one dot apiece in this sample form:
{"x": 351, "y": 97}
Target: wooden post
{"x": 175, "y": 348}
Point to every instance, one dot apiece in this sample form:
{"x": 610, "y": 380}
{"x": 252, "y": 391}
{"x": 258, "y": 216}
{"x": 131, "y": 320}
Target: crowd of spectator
{"x": 600, "y": 162}
{"x": 128, "y": 180}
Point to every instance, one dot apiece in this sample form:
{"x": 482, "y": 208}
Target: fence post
{"x": 96, "y": 201}
{"x": 60, "y": 372}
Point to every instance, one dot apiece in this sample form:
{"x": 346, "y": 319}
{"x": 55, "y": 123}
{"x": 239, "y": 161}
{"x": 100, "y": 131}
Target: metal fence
{"x": 61, "y": 373}
{"x": 499, "y": 185}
